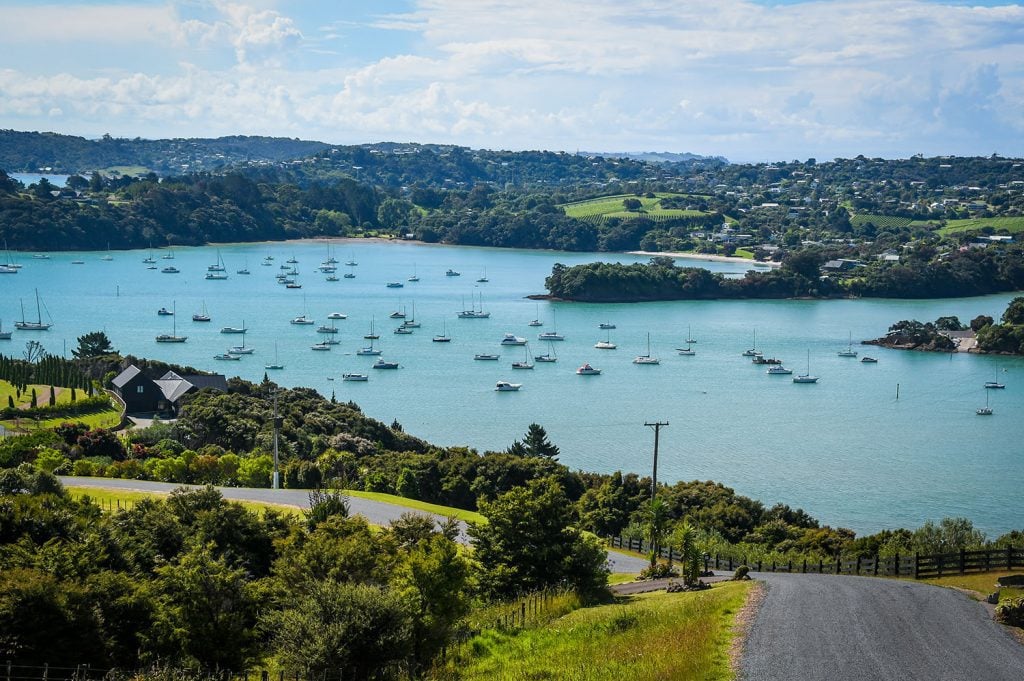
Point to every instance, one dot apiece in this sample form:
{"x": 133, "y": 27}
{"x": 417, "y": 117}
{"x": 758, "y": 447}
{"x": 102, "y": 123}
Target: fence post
{"x": 716, "y": 561}
{"x": 876, "y": 565}
{"x": 773, "y": 566}
{"x": 730, "y": 563}
{"x": 8, "y": 670}
{"x": 899, "y": 572}
{"x": 805, "y": 566}
{"x": 46, "y": 670}
{"x": 917, "y": 565}
{"x": 759, "y": 565}
{"x": 1009, "y": 558}
{"x": 963, "y": 560}
{"x": 522, "y": 618}
{"x": 839, "y": 565}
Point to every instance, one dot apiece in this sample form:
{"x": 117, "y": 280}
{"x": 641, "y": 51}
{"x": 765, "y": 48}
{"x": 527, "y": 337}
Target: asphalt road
{"x": 376, "y": 512}
{"x": 841, "y": 627}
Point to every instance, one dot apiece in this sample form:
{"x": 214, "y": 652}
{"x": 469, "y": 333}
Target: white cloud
{"x": 724, "y": 77}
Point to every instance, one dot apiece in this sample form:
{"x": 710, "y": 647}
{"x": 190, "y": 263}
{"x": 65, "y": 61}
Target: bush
{"x": 658, "y": 571}
{"x": 1011, "y": 612}
{"x": 741, "y": 573}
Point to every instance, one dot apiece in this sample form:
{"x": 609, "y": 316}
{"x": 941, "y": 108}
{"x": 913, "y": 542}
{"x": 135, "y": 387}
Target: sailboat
{"x": 646, "y": 359}
{"x": 986, "y": 410}
{"x": 444, "y": 337}
{"x": 245, "y": 268}
{"x": 37, "y": 325}
{"x": 201, "y": 316}
{"x": 414, "y": 276}
{"x": 411, "y": 323}
{"x": 806, "y": 378}
{"x": 323, "y": 328}
{"x": 689, "y": 337}
{"x": 550, "y": 356}
{"x": 277, "y": 364}
{"x": 241, "y": 349}
{"x": 994, "y": 383}
{"x": 150, "y": 259}
{"x": 173, "y": 336}
{"x": 606, "y": 344}
{"x": 218, "y": 266}
{"x": 9, "y": 267}
{"x": 552, "y": 335}
{"x": 753, "y": 352}
{"x": 4, "y": 335}
{"x": 527, "y": 362}
{"x": 849, "y": 351}
{"x": 107, "y": 257}
{"x": 536, "y": 318}
{"x": 472, "y": 312}
{"x": 302, "y": 319}
{"x": 687, "y": 351}
{"x": 373, "y": 335}
{"x": 484, "y": 279}
{"x": 370, "y": 351}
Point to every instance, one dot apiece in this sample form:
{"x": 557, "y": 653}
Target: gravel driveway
{"x": 842, "y": 627}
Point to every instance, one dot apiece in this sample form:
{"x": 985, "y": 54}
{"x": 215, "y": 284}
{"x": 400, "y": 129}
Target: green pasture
{"x": 1012, "y": 225}
{"x": 880, "y": 221}
{"x": 105, "y": 418}
{"x": 611, "y": 207}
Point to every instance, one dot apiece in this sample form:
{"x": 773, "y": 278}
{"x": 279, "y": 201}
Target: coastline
{"x": 707, "y": 257}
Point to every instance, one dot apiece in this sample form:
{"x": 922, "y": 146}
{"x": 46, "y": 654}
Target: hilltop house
{"x": 143, "y": 394}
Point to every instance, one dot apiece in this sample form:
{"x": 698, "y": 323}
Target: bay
{"x": 844, "y": 449}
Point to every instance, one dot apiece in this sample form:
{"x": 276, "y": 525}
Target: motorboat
{"x": 506, "y": 387}
{"x": 337, "y": 315}
{"x": 452, "y": 273}
{"x": 868, "y": 360}
{"x": 320, "y": 347}
{"x": 170, "y": 269}
{"x": 227, "y": 356}
{"x": 164, "y": 312}
{"x": 587, "y": 370}
{"x": 606, "y": 325}
{"x": 383, "y": 364}
{"x": 302, "y": 320}
{"x": 395, "y": 284}
{"x": 512, "y": 339}
{"x": 778, "y": 370}
{"x": 355, "y": 377}
{"x": 486, "y": 357}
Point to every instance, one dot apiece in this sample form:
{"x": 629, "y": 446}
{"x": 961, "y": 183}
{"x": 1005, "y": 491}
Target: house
{"x": 143, "y": 394}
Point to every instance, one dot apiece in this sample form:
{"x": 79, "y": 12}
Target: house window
{"x": 140, "y": 389}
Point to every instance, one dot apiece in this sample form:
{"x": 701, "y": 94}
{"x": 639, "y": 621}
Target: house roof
{"x": 200, "y": 381}
{"x": 122, "y": 379}
{"x": 173, "y": 388}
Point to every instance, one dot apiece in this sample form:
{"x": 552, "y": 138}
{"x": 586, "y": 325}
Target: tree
{"x": 1014, "y": 311}
{"x": 535, "y": 444}
{"x": 94, "y": 344}
{"x": 980, "y": 322}
{"x": 632, "y": 204}
{"x": 951, "y": 323}
{"x": 528, "y": 543}
{"x": 684, "y": 539}
{"x": 656, "y": 518}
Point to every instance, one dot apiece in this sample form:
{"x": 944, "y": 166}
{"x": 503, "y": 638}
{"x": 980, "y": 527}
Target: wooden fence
{"x": 901, "y": 565}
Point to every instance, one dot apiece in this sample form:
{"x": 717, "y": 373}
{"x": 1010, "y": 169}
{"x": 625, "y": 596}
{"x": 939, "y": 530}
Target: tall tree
{"x": 93, "y": 344}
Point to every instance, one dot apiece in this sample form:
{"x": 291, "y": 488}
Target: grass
{"x": 131, "y": 171}
{"x": 982, "y": 584}
{"x": 111, "y": 499}
{"x": 743, "y": 253}
{"x": 1013, "y": 225}
{"x": 107, "y": 418}
{"x": 650, "y": 636}
{"x": 880, "y": 221}
{"x": 621, "y": 578}
{"x": 605, "y": 207}
{"x": 113, "y": 496}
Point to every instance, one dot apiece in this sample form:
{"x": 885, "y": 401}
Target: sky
{"x": 744, "y": 79}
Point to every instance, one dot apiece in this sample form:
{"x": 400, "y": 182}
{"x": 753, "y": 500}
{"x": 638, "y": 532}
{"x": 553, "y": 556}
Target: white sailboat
{"x": 202, "y": 316}
{"x": 536, "y": 318}
{"x": 444, "y": 337}
{"x": 688, "y": 351}
{"x": 552, "y": 335}
{"x": 549, "y": 356}
{"x": 242, "y": 349}
{"x": 753, "y": 351}
{"x": 849, "y": 351}
{"x": 38, "y": 324}
{"x": 527, "y": 362}
{"x": 806, "y": 378}
{"x": 986, "y": 410}
{"x": 606, "y": 344}
{"x": 277, "y": 363}
{"x": 173, "y": 336}
{"x": 646, "y": 359}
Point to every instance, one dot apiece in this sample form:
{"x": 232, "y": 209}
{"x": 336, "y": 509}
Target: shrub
{"x": 658, "y": 571}
{"x": 741, "y": 573}
{"x": 1011, "y": 612}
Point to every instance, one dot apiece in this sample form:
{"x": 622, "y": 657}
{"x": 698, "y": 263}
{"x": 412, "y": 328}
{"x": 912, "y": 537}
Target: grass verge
{"x": 981, "y": 584}
{"x": 460, "y": 513}
{"x": 650, "y": 636}
{"x": 113, "y": 499}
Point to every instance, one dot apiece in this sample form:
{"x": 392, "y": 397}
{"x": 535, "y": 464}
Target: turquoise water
{"x": 845, "y": 449}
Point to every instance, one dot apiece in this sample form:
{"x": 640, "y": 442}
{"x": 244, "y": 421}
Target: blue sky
{"x": 747, "y": 80}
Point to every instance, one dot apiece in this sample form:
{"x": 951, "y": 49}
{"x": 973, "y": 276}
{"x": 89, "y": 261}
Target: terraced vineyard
{"x": 880, "y": 221}
{"x": 605, "y": 207}
{"x": 1013, "y": 225}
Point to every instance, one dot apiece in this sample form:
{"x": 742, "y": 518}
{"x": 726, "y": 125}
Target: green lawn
{"x": 107, "y": 418}
{"x": 1013, "y": 225}
{"x": 982, "y": 584}
{"x": 611, "y": 207}
{"x": 650, "y": 636}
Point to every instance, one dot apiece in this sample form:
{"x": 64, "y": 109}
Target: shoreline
{"x": 707, "y": 257}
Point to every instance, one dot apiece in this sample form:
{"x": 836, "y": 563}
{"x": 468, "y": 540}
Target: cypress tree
{"x": 53, "y": 396}
{"x": 73, "y": 397}
{"x": 10, "y": 401}
{"x": 35, "y": 402}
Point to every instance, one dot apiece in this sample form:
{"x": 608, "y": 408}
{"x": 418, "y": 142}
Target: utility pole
{"x": 277, "y": 427}
{"x": 654, "y": 474}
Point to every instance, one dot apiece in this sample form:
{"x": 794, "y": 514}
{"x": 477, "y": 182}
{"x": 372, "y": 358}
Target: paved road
{"x": 376, "y": 512}
{"x": 841, "y": 627}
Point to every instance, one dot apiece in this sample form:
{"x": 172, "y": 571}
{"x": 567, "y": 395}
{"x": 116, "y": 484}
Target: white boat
{"x": 868, "y": 360}
{"x": 994, "y": 384}
{"x": 536, "y": 319}
{"x": 332, "y": 278}
{"x": 277, "y": 363}
{"x": 452, "y": 273}
{"x": 337, "y": 315}
{"x": 646, "y": 359}
{"x": 164, "y": 312}
{"x": 226, "y": 356}
{"x": 106, "y": 258}
{"x": 549, "y": 356}
{"x": 484, "y": 279}
{"x": 606, "y": 325}
{"x": 38, "y": 324}
{"x": 368, "y": 352}
{"x": 320, "y": 347}
{"x": 527, "y": 362}
{"x": 472, "y": 312}
{"x": 201, "y": 316}
{"x": 395, "y": 284}
{"x": 234, "y": 329}
{"x": 170, "y": 269}
{"x": 169, "y": 255}
{"x": 373, "y": 335}
{"x": 218, "y": 276}
{"x": 506, "y": 387}
{"x": 291, "y": 260}
{"x": 355, "y": 377}
{"x": 778, "y": 370}
{"x": 689, "y": 337}
{"x": 403, "y": 331}
{"x": 806, "y": 378}
{"x": 302, "y": 320}
{"x": 383, "y": 364}
{"x": 173, "y": 336}
{"x": 552, "y": 335}
{"x": 411, "y": 322}
{"x": 986, "y": 410}
{"x": 512, "y": 339}
{"x": 486, "y": 357}
{"x": 849, "y": 351}
{"x": 397, "y": 314}
{"x": 753, "y": 351}
{"x": 414, "y": 277}
{"x": 444, "y": 337}
{"x": 242, "y": 349}
{"x": 218, "y": 266}
{"x": 687, "y": 351}
{"x": 4, "y": 335}
{"x": 587, "y": 370}
{"x": 323, "y": 328}
{"x": 9, "y": 267}
{"x": 606, "y": 344}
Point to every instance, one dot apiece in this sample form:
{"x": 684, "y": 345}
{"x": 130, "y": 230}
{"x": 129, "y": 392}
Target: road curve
{"x": 376, "y": 512}
{"x": 843, "y": 627}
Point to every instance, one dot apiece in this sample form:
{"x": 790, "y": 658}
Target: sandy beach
{"x": 707, "y": 257}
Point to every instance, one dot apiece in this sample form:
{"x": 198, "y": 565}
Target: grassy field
{"x": 982, "y": 584}
{"x": 107, "y": 418}
{"x": 1013, "y": 225}
{"x": 115, "y": 496}
{"x": 112, "y": 499}
{"x": 611, "y": 207}
{"x": 650, "y": 636}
